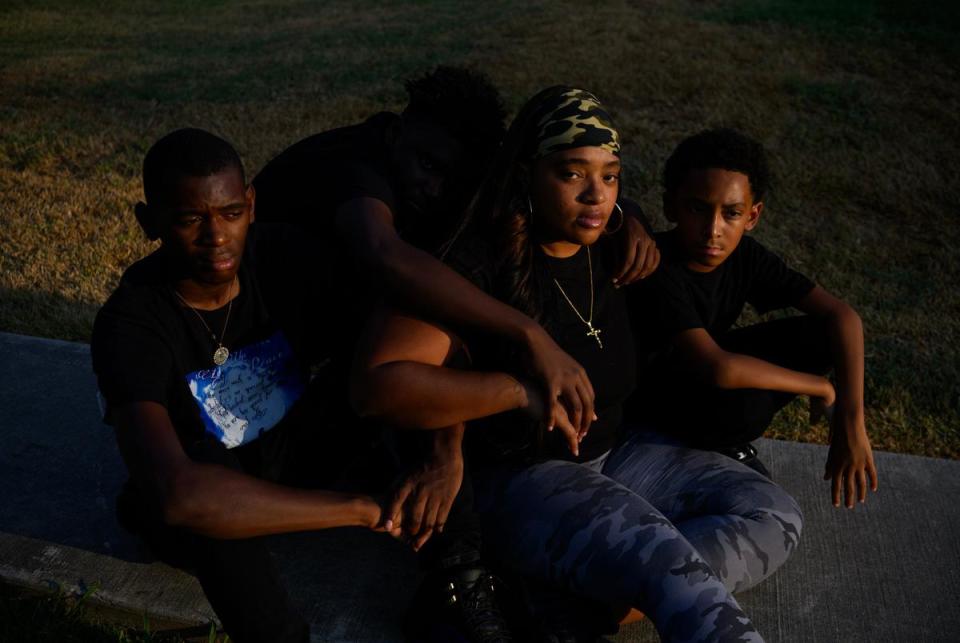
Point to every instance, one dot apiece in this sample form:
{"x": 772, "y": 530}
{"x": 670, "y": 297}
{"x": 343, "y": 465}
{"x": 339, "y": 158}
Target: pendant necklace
{"x": 592, "y": 332}
{"x": 221, "y": 354}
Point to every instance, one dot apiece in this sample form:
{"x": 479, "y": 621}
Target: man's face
{"x": 712, "y": 209}
{"x": 203, "y": 224}
{"x": 427, "y": 162}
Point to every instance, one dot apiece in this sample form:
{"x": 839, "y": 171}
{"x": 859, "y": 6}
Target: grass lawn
{"x": 61, "y": 618}
{"x": 856, "y": 100}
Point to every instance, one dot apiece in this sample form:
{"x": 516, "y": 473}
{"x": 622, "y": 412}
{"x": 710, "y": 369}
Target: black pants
{"x": 712, "y": 418}
{"x": 239, "y": 576}
{"x": 310, "y": 448}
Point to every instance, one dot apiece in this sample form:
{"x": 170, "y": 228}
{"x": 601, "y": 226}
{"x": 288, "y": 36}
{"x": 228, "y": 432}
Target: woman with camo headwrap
{"x": 600, "y": 513}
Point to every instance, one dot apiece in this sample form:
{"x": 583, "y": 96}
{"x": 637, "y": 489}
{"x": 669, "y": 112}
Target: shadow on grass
{"x": 45, "y": 314}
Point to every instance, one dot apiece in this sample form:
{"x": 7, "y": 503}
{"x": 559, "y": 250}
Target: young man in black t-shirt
{"x": 718, "y": 388}
{"x": 203, "y": 355}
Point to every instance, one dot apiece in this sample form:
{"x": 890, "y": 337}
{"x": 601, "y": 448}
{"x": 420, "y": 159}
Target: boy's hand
{"x": 850, "y": 460}
{"x": 422, "y": 502}
{"x": 567, "y": 390}
{"x": 640, "y": 254}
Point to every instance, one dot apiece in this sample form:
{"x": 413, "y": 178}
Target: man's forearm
{"x": 420, "y": 281}
{"x": 423, "y": 396}
{"x": 222, "y": 503}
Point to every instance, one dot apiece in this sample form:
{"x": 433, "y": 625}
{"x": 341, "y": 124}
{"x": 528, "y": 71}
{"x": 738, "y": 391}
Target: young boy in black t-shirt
{"x": 202, "y": 356}
{"x": 716, "y": 387}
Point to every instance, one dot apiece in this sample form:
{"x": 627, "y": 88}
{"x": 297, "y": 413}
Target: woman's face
{"x": 573, "y": 193}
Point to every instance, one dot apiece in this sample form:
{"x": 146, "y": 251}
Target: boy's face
{"x": 203, "y": 222}
{"x": 712, "y": 209}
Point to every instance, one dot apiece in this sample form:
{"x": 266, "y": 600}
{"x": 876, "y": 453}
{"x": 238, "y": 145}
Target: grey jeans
{"x": 670, "y": 530}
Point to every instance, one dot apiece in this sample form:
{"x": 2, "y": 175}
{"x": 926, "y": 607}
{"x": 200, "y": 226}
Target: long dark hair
{"x": 500, "y": 212}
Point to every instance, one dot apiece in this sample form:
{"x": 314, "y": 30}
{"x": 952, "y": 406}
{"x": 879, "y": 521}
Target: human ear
{"x": 251, "y": 198}
{"x": 753, "y": 217}
{"x": 146, "y": 218}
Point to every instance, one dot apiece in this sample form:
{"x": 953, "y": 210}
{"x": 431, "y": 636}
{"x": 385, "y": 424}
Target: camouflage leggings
{"x": 669, "y": 530}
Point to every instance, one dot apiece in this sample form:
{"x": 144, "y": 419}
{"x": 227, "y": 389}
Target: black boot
{"x": 457, "y": 606}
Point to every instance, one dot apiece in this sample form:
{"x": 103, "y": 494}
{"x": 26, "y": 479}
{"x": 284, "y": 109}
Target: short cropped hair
{"x": 185, "y": 152}
{"x": 721, "y": 148}
{"x": 464, "y": 103}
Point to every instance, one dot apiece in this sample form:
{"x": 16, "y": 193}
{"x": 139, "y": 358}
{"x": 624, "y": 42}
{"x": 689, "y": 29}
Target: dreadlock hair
{"x": 185, "y": 152}
{"x": 720, "y": 148}
{"x": 464, "y": 103}
{"x": 500, "y": 210}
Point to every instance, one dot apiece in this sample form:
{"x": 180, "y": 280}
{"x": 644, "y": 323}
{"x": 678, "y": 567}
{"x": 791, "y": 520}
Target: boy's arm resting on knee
{"x": 215, "y": 500}
{"x": 850, "y": 463}
{"x": 421, "y": 282}
{"x": 703, "y": 357}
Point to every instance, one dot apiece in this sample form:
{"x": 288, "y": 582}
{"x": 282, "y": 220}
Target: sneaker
{"x": 746, "y": 454}
{"x": 457, "y": 607}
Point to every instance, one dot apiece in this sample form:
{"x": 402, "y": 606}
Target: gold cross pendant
{"x": 595, "y": 333}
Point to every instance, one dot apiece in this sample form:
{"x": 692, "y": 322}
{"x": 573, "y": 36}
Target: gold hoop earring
{"x": 607, "y": 230}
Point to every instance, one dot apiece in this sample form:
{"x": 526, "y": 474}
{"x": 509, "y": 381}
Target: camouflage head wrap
{"x": 572, "y": 119}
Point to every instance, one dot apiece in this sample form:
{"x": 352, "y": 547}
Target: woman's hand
{"x": 535, "y": 407}
{"x": 567, "y": 390}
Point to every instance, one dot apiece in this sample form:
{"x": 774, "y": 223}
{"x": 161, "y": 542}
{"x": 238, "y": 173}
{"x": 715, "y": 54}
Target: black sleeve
{"x": 774, "y": 284}
{"x": 469, "y": 257}
{"x": 664, "y": 303}
{"x": 360, "y": 180}
{"x": 131, "y": 360}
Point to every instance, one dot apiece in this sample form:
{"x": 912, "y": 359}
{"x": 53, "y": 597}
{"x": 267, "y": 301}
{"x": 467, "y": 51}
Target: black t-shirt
{"x": 307, "y": 182}
{"x": 148, "y": 346}
{"x": 676, "y": 298}
{"x": 611, "y": 369}
{"x": 305, "y": 185}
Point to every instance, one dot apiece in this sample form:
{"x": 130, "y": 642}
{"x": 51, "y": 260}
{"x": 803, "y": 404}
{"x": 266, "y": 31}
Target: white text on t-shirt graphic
{"x": 250, "y": 393}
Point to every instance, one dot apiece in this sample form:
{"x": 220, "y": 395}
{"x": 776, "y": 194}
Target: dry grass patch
{"x": 857, "y": 101}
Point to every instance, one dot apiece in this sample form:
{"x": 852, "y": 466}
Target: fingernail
{"x": 595, "y": 417}
{"x": 615, "y": 280}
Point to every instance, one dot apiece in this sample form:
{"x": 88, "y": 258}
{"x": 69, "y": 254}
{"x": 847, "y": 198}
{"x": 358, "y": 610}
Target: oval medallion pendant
{"x": 220, "y": 355}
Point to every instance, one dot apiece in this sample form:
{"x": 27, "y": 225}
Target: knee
{"x": 781, "y": 521}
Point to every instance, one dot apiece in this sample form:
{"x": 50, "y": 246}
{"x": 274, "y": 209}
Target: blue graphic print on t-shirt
{"x": 250, "y": 393}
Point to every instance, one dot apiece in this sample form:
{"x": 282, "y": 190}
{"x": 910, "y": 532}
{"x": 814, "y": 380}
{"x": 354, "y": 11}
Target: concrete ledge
{"x": 885, "y": 571}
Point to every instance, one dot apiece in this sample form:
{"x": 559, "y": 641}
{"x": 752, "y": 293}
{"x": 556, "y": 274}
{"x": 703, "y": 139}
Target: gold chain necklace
{"x": 222, "y": 353}
{"x": 592, "y": 332}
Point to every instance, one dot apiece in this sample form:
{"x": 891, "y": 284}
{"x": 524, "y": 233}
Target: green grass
{"x": 857, "y": 102}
